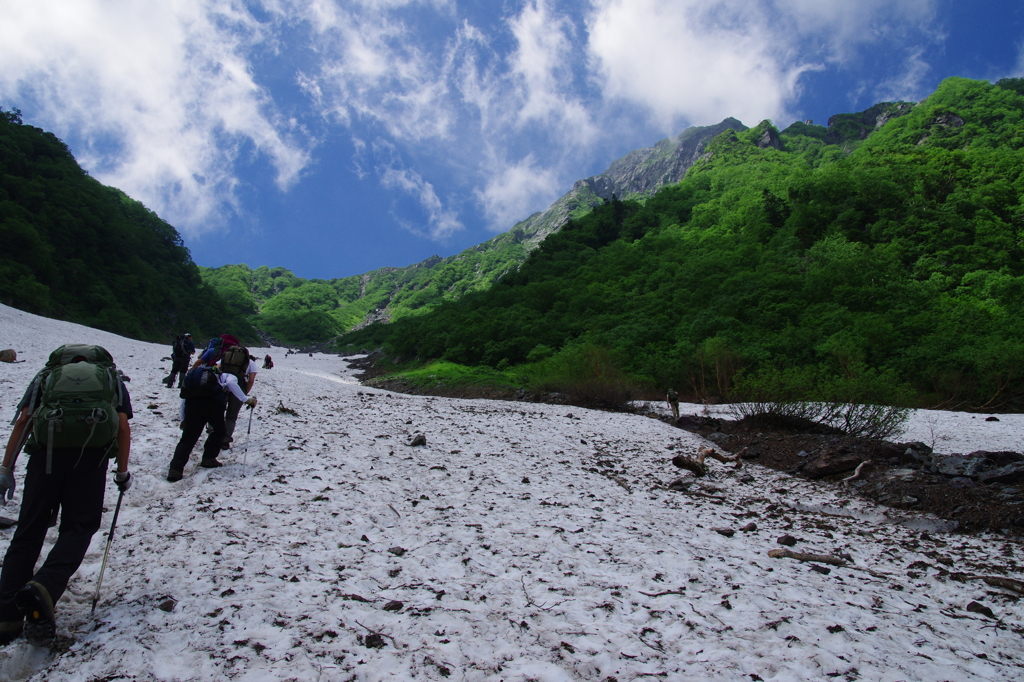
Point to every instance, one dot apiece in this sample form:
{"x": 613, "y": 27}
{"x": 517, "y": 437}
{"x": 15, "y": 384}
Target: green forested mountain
{"x": 77, "y": 250}
{"x": 299, "y": 311}
{"x": 887, "y": 260}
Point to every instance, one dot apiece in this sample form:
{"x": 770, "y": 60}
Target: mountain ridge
{"x": 391, "y": 292}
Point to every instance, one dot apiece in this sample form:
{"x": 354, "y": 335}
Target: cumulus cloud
{"x": 702, "y": 60}
{"x": 160, "y": 98}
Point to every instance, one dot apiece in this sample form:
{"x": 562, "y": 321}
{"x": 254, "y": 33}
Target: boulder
{"x": 1011, "y": 473}
{"x": 1000, "y": 458}
{"x": 8, "y": 355}
{"x": 837, "y": 462}
{"x": 957, "y": 465}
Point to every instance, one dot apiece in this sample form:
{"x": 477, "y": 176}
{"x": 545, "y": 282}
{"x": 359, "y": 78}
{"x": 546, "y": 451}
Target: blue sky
{"x": 334, "y": 138}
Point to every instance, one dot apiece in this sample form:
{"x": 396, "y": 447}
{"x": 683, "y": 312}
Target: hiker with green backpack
{"x": 71, "y": 421}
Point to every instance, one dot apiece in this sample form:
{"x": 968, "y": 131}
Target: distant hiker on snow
{"x": 672, "y": 398}
{"x": 205, "y": 391}
{"x": 74, "y": 417}
{"x": 268, "y": 363}
{"x": 181, "y": 356}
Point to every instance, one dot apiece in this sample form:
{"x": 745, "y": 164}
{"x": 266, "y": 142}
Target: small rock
{"x": 418, "y": 439}
{"x": 167, "y": 605}
{"x": 727, "y": 532}
{"x": 975, "y": 607}
{"x": 397, "y": 551}
{"x": 803, "y": 453}
{"x": 961, "y": 482}
{"x": 823, "y": 571}
{"x": 394, "y": 605}
{"x": 373, "y": 641}
{"x": 749, "y": 528}
{"x": 835, "y": 628}
{"x": 525, "y": 480}
{"x": 992, "y": 419}
{"x": 908, "y": 500}
{"x": 680, "y": 484}
{"x": 787, "y": 540}
{"x": 365, "y": 539}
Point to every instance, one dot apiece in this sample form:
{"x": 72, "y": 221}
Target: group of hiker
{"x": 213, "y": 392}
{"x": 71, "y": 421}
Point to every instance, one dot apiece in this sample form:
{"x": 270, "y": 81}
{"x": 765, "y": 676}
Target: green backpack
{"x": 78, "y": 402}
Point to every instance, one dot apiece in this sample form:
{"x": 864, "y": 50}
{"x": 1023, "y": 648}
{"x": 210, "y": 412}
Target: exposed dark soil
{"x": 894, "y": 478}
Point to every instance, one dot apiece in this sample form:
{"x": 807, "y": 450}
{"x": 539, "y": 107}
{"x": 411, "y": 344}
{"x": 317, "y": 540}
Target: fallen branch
{"x": 799, "y": 556}
{"x": 857, "y": 472}
{"x": 697, "y": 466}
{"x": 995, "y": 581}
{"x": 821, "y": 558}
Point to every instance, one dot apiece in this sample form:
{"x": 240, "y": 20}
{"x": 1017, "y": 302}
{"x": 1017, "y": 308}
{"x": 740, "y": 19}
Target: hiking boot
{"x": 210, "y": 464}
{"x": 35, "y": 604}
{"x": 174, "y": 475}
{"x": 9, "y": 630}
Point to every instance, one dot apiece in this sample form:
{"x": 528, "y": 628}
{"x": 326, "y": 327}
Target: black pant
{"x": 178, "y": 366}
{"x": 231, "y": 416}
{"x": 198, "y": 413}
{"x": 78, "y": 491}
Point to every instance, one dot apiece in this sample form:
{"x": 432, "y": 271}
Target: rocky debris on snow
{"x": 168, "y": 604}
{"x": 727, "y": 532}
{"x": 8, "y": 355}
{"x": 417, "y": 440}
{"x": 975, "y": 491}
{"x": 787, "y": 540}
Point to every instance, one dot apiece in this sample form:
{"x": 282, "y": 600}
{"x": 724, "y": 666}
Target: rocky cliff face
{"x": 855, "y": 127}
{"x": 641, "y": 172}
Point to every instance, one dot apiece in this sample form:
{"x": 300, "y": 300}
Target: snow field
{"x": 523, "y": 542}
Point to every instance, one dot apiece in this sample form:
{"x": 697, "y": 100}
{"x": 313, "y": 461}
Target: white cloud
{"x": 908, "y": 84}
{"x": 515, "y": 191}
{"x": 442, "y": 222}
{"x": 167, "y": 101}
{"x": 690, "y": 60}
{"x": 697, "y": 61}
{"x": 160, "y": 96}
{"x": 543, "y": 64}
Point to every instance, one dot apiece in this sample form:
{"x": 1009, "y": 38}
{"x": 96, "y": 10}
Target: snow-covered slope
{"x": 523, "y": 542}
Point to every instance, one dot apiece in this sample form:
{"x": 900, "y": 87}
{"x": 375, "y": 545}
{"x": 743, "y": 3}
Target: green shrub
{"x": 868, "y": 405}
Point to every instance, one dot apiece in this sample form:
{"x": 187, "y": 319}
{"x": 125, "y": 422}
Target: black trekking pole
{"x": 106, "y": 552}
{"x": 248, "y": 431}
